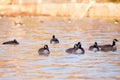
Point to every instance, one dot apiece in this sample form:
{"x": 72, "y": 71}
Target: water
{"x": 22, "y": 62}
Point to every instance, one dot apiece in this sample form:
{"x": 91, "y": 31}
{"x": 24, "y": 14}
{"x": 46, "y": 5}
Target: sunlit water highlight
{"x": 22, "y": 62}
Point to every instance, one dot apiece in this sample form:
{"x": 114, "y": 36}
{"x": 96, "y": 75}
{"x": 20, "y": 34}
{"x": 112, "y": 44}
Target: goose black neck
{"x": 113, "y": 44}
{"x": 79, "y": 46}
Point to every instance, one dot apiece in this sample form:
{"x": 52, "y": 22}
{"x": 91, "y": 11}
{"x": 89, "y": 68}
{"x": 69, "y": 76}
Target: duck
{"x": 94, "y": 47}
{"x": 54, "y": 40}
{"x": 44, "y": 50}
{"x": 71, "y": 50}
{"x": 13, "y": 42}
{"x": 109, "y": 47}
{"x": 79, "y": 49}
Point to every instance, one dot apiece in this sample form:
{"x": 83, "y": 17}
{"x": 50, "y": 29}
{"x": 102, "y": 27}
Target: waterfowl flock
{"x": 77, "y": 49}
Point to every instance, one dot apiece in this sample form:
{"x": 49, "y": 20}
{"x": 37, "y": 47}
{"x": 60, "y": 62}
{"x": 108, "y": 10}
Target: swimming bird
{"x": 54, "y": 40}
{"x": 13, "y": 42}
{"x": 94, "y": 47}
{"x": 44, "y": 50}
{"x": 109, "y": 47}
{"x": 71, "y": 50}
{"x": 79, "y": 49}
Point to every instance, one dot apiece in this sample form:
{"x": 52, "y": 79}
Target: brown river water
{"x": 22, "y": 62}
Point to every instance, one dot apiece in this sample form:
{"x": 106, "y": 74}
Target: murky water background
{"x": 22, "y": 62}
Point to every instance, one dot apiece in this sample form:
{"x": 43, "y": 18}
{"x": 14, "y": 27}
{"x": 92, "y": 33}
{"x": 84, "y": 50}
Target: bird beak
{"x": 117, "y": 40}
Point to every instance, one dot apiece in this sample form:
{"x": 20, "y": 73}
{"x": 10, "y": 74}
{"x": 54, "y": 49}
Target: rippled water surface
{"x": 22, "y": 62}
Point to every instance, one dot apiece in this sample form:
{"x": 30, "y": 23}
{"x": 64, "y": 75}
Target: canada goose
{"x": 54, "y": 40}
{"x": 44, "y": 50}
{"x": 13, "y": 42}
{"x": 109, "y": 47}
{"x": 94, "y": 47}
{"x": 71, "y": 50}
{"x": 79, "y": 49}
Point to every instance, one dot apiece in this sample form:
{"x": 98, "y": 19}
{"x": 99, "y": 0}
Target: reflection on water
{"x": 22, "y": 62}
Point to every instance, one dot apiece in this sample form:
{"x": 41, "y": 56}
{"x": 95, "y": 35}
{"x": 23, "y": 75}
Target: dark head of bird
{"x": 53, "y": 36}
{"x": 46, "y": 47}
{"x": 15, "y": 41}
{"x": 79, "y": 45}
{"x": 114, "y": 42}
{"x": 95, "y": 44}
